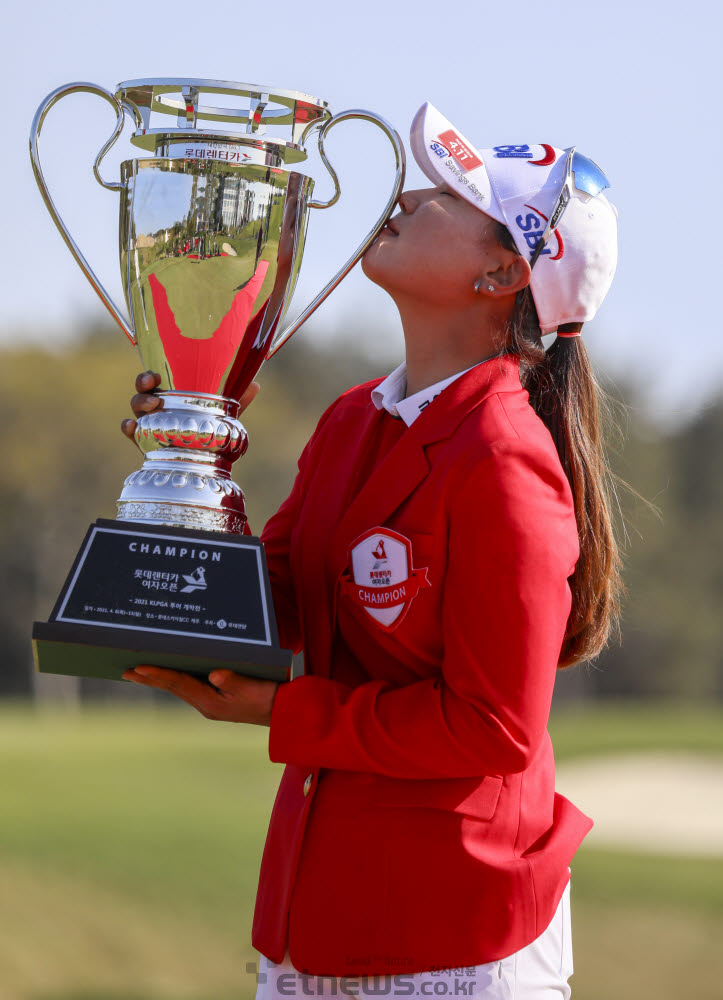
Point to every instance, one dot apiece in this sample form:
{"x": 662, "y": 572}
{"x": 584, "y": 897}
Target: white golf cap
{"x": 518, "y": 185}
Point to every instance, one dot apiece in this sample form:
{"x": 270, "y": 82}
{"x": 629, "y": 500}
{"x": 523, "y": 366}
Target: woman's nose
{"x": 411, "y": 200}
{"x": 408, "y": 202}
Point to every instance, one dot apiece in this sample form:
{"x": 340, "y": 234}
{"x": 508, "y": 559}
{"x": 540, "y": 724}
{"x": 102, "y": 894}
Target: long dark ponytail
{"x": 578, "y": 413}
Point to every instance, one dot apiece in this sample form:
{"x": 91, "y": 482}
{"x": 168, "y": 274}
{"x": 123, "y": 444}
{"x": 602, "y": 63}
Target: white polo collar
{"x": 390, "y": 394}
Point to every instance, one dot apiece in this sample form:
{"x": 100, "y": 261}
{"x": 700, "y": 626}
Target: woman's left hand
{"x": 228, "y": 697}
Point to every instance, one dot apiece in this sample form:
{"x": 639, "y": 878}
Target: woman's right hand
{"x": 146, "y": 400}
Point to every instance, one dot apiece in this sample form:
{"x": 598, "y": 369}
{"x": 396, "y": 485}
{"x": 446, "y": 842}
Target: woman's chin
{"x": 372, "y": 265}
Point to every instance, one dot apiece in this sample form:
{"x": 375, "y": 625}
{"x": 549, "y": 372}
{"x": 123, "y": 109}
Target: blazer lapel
{"x": 401, "y": 470}
{"x": 399, "y": 473}
{"x": 406, "y": 465}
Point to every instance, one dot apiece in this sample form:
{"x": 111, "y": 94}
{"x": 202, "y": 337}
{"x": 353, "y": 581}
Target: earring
{"x": 478, "y": 284}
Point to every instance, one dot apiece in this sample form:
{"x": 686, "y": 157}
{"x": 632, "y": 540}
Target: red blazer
{"x": 416, "y": 823}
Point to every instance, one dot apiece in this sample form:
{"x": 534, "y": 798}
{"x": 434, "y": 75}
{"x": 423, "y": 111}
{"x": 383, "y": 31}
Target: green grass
{"x": 131, "y": 840}
{"x": 152, "y": 802}
{"x": 618, "y": 879}
{"x": 628, "y": 726}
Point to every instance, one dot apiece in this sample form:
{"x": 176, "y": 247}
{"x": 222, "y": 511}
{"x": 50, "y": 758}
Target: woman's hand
{"x": 146, "y": 400}
{"x": 229, "y": 697}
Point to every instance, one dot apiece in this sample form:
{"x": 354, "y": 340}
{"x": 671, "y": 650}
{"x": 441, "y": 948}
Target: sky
{"x": 635, "y": 86}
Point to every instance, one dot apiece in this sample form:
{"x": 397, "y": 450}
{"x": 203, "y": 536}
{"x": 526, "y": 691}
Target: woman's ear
{"x": 512, "y": 274}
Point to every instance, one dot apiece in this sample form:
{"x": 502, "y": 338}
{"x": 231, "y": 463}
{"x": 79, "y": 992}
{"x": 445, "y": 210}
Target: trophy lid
{"x": 265, "y": 117}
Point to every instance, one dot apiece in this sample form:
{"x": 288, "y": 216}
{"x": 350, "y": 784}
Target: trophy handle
{"x": 120, "y": 109}
{"x": 400, "y": 157}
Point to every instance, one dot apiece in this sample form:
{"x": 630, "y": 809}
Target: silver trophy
{"x": 212, "y": 229}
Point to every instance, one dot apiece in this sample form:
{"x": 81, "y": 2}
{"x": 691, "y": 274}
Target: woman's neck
{"x": 437, "y": 347}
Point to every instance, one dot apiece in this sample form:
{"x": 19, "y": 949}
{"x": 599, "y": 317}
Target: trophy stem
{"x": 189, "y": 444}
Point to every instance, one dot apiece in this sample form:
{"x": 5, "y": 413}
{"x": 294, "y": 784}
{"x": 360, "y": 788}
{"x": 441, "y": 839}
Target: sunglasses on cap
{"x": 582, "y": 173}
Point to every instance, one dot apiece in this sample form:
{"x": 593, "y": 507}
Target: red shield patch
{"x": 381, "y": 576}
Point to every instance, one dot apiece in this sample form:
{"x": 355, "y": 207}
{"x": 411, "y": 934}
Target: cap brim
{"x": 445, "y": 156}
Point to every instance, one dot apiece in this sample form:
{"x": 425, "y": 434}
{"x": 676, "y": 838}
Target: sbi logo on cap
{"x": 523, "y": 152}
{"x": 532, "y": 227}
{"x": 513, "y": 152}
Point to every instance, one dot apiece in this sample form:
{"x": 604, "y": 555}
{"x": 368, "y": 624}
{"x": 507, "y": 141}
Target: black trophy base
{"x": 86, "y": 651}
{"x": 189, "y": 600}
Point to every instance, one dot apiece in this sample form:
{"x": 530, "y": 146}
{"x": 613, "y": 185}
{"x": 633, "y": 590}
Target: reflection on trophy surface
{"x": 212, "y": 231}
{"x": 212, "y": 228}
{"x": 206, "y": 296}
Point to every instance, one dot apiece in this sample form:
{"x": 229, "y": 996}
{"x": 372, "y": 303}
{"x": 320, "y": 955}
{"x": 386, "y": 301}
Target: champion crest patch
{"x": 381, "y": 577}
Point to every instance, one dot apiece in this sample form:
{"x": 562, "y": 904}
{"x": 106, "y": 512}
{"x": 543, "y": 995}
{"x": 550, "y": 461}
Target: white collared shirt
{"x": 389, "y": 394}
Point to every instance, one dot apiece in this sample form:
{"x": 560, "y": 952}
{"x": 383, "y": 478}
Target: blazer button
{"x": 307, "y": 783}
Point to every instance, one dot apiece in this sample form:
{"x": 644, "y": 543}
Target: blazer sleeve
{"x": 512, "y": 544}
{"x": 276, "y": 539}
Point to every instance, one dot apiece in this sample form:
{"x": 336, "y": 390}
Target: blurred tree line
{"x": 65, "y": 461}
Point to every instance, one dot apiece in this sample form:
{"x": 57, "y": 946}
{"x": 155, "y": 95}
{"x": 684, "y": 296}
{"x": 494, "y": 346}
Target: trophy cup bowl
{"x": 212, "y": 227}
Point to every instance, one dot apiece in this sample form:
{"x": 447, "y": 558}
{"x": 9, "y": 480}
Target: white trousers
{"x": 539, "y": 971}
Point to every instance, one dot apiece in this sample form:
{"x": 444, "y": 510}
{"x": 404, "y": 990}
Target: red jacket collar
{"x": 445, "y": 413}
{"x": 406, "y": 465}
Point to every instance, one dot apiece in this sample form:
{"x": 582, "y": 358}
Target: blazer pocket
{"x": 423, "y": 543}
{"x": 471, "y": 796}
{"x": 425, "y": 553}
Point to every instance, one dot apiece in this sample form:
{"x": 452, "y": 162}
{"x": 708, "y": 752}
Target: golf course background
{"x": 132, "y": 828}
{"x": 132, "y": 836}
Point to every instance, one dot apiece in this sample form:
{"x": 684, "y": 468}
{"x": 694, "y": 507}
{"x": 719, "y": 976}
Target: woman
{"x": 446, "y": 547}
